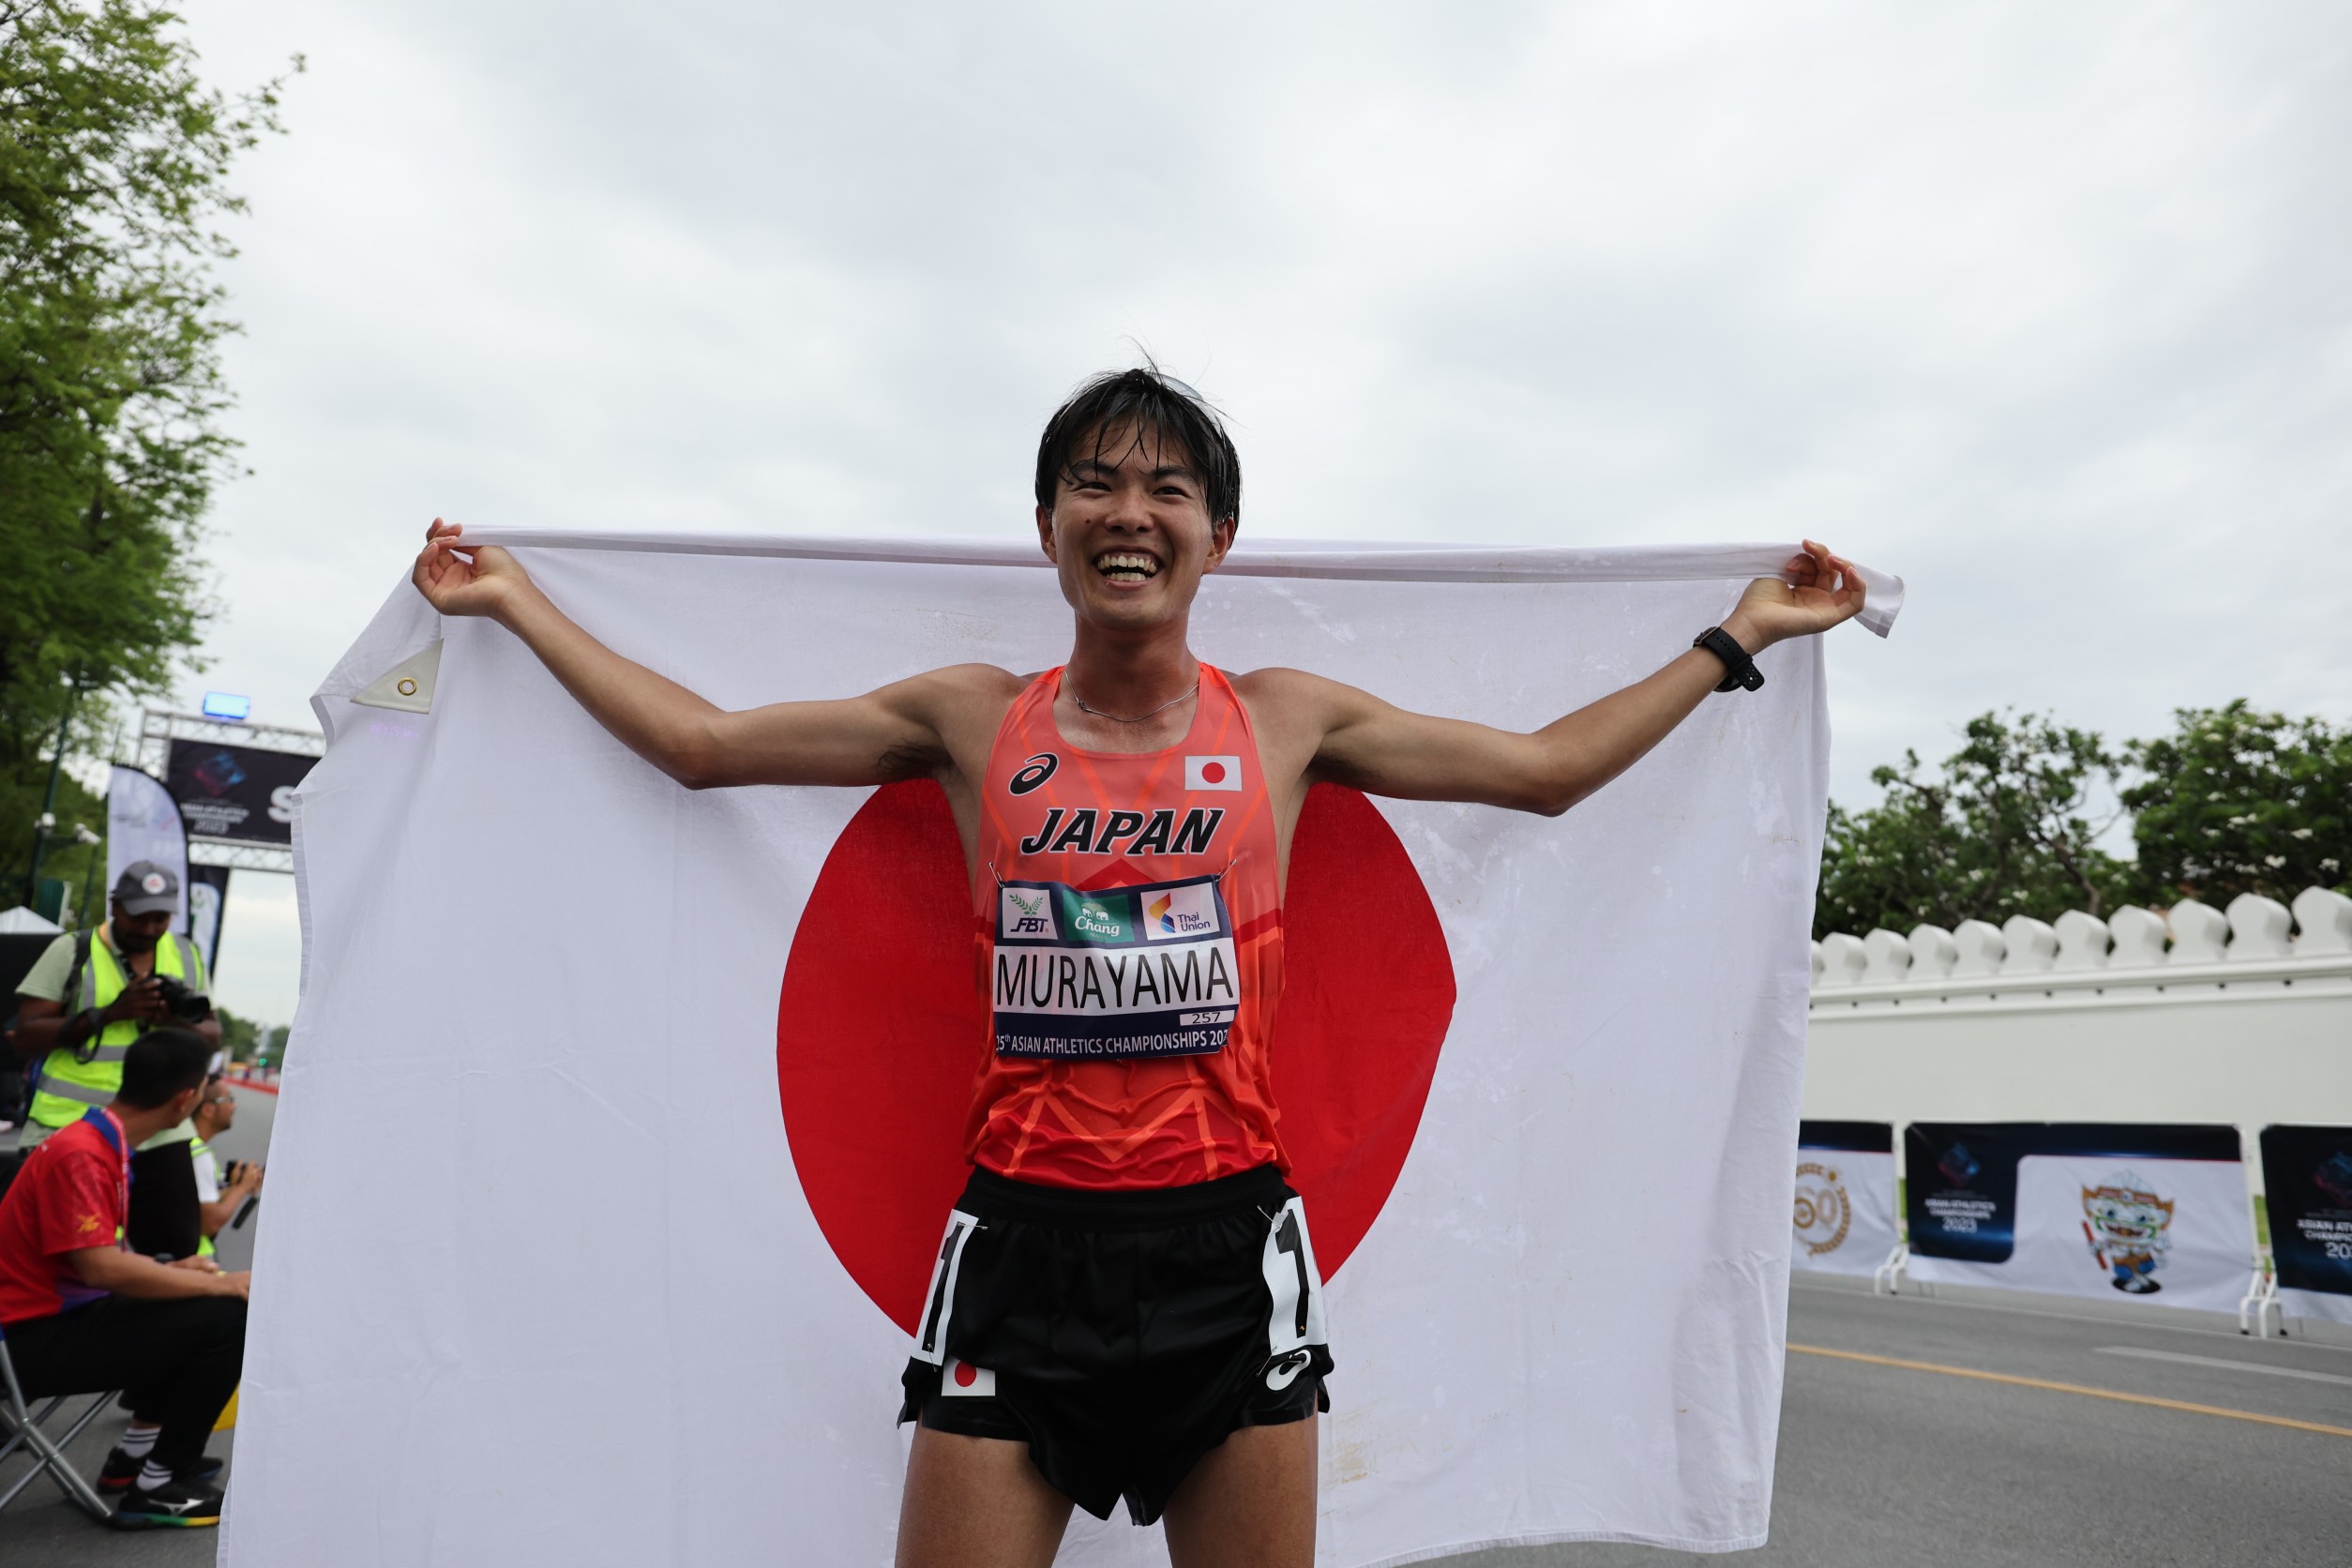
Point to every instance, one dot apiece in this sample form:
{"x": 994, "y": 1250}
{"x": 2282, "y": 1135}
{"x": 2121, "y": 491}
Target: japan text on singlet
{"x": 1130, "y": 919}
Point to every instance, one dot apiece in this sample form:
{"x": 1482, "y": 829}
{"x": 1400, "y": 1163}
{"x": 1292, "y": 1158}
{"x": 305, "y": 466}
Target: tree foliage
{"x": 2008, "y": 825}
{"x": 2238, "y": 801}
{"x": 238, "y": 1034}
{"x": 113, "y": 156}
{"x": 2234, "y": 801}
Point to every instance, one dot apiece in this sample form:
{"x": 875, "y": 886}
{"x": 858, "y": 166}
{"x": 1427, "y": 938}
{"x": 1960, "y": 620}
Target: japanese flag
{"x": 655, "y": 1095}
{"x": 1213, "y": 772}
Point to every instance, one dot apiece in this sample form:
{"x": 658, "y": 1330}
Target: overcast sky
{"x": 2042, "y": 307}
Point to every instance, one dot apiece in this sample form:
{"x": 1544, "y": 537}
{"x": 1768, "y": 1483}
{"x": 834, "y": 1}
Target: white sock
{"x": 152, "y": 1475}
{"x": 137, "y": 1441}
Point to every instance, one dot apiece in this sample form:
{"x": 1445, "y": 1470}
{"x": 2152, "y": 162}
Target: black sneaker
{"x": 121, "y": 1469}
{"x": 176, "y": 1503}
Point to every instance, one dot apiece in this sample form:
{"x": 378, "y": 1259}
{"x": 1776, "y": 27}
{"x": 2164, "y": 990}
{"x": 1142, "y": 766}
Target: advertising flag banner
{"x": 2109, "y": 1210}
{"x": 2307, "y": 1184}
{"x": 1845, "y": 1213}
{"x": 655, "y": 1096}
{"x": 207, "y": 900}
{"x": 142, "y": 823}
{"x": 239, "y": 793}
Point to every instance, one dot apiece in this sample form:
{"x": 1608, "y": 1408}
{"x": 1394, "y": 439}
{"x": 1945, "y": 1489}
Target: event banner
{"x": 1844, "y": 1217}
{"x": 2307, "y": 1183}
{"x": 2109, "y": 1210}
{"x": 240, "y": 792}
{"x": 207, "y": 900}
{"x": 676, "y": 1082}
{"x": 142, "y": 823}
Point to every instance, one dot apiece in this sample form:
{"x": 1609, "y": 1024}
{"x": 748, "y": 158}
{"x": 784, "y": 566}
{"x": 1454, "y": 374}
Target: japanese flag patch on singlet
{"x": 1124, "y": 972}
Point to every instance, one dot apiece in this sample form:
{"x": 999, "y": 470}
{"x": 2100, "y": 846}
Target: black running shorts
{"x": 1121, "y": 1335}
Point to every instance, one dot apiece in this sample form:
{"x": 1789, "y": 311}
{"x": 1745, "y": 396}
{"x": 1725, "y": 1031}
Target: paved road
{"x": 1884, "y": 1465}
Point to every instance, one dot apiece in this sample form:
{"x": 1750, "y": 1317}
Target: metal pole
{"x": 49, "y": 801}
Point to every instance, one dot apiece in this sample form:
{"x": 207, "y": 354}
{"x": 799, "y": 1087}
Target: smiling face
{"x": 1129, "y": 529}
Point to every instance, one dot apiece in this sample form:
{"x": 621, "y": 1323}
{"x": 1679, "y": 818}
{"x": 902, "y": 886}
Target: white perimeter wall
{"x": 2251, "y": 1029}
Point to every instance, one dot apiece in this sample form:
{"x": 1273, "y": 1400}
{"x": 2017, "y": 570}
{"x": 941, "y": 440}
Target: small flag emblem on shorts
{"x": 962, "y": 1377}
{"x": 1213, "y": 772}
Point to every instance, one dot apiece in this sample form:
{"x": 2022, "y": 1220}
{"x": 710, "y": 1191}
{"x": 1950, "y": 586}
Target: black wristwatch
{"x": 1743, "y": 672}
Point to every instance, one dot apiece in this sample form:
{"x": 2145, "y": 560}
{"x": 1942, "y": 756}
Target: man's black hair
{"x": 1140, "y": 405}
{"x": 161, "y": 1063}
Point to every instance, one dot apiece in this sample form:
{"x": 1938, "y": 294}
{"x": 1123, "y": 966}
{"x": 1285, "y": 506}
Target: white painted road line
{"x": 2217, "y": 1361}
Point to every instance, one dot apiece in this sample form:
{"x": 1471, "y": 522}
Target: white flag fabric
{"x": 142, "y": 823}
{"x": 618, "y": 1118}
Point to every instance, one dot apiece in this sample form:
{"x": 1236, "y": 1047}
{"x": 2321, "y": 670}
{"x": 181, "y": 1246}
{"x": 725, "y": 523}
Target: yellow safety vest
{"x": 74, "y": 1079}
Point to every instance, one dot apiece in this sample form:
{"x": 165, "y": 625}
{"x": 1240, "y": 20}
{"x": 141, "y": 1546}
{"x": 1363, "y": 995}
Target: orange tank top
{"x": 1130, "y": 919}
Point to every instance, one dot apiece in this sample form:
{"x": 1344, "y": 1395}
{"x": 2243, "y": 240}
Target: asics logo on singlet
{"x": 1286, "y": 1371}
{"x": 1033, "y": 773}
{"x": 1091, "y": 832}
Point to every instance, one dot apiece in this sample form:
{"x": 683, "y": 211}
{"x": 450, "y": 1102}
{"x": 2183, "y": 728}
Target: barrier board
{"x": 1845, "y": 1204}
{"x": 2115, "y": 1211}
{"x": 2307, "y": 1180}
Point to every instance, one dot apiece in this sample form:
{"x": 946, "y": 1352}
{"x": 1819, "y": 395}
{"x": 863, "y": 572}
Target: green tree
{"x": 112, "y": 161}
{"x": 2241, "y": 801}
{"x": 239, "y": 1035}
{"x": 2006, "y": 826}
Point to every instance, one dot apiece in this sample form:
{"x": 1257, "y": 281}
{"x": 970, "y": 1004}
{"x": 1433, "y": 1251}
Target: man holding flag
{"x": 1125, "y": 1304}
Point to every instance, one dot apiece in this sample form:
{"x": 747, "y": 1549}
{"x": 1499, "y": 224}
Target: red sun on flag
{"x": 884, "y": 1025}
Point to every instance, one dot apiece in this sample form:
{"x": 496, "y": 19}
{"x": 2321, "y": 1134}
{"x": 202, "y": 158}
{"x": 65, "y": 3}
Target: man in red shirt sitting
{"x": 84, "y": 1316}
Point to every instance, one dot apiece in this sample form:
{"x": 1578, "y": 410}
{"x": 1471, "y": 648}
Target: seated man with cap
{"x": 95, "y": 991}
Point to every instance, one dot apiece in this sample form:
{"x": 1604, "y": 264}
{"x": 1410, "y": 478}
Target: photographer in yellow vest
{"x": 94, "y": 992}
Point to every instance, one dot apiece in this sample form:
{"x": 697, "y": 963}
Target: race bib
{"x": 1122, "y": 973}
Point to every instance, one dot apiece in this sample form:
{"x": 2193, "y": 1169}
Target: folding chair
{"x": 21, "y": 1429}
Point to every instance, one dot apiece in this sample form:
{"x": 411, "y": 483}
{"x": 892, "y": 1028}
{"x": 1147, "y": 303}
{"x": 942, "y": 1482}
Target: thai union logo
{"x": 2128, "y": 1226}
{"x": 1824, "y": 1212}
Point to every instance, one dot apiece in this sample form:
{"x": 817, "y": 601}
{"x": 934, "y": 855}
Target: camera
{"x": 187, "y": 1006}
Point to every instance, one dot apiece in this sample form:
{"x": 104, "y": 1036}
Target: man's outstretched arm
{"x": 874, "y": 739}
{"x": 1385, "y": 750}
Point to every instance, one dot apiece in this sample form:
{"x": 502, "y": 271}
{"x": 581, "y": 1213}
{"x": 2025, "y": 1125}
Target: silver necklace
{"x": 1122, "y": 718}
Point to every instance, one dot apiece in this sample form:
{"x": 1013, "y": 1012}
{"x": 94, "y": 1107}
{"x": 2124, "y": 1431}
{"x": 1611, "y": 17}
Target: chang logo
{"x": 1033, "y": 773}
{"x": 2129, "y": 1227}
{"x": 1824, "y": 1212}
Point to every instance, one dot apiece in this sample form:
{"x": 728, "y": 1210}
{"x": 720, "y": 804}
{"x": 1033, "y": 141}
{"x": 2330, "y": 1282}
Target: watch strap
{"x": 1741, "y": 673}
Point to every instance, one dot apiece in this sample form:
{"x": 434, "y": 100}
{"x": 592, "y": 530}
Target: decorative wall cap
{"x": 2192, "y": 944}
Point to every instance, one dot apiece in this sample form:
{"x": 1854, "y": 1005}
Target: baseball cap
{"x": 145, "y": 887}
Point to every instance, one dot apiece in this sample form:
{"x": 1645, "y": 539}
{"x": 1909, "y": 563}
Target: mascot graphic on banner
{"x": 2126, "y": 1223}
{"x": 1824, "y": 1212}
